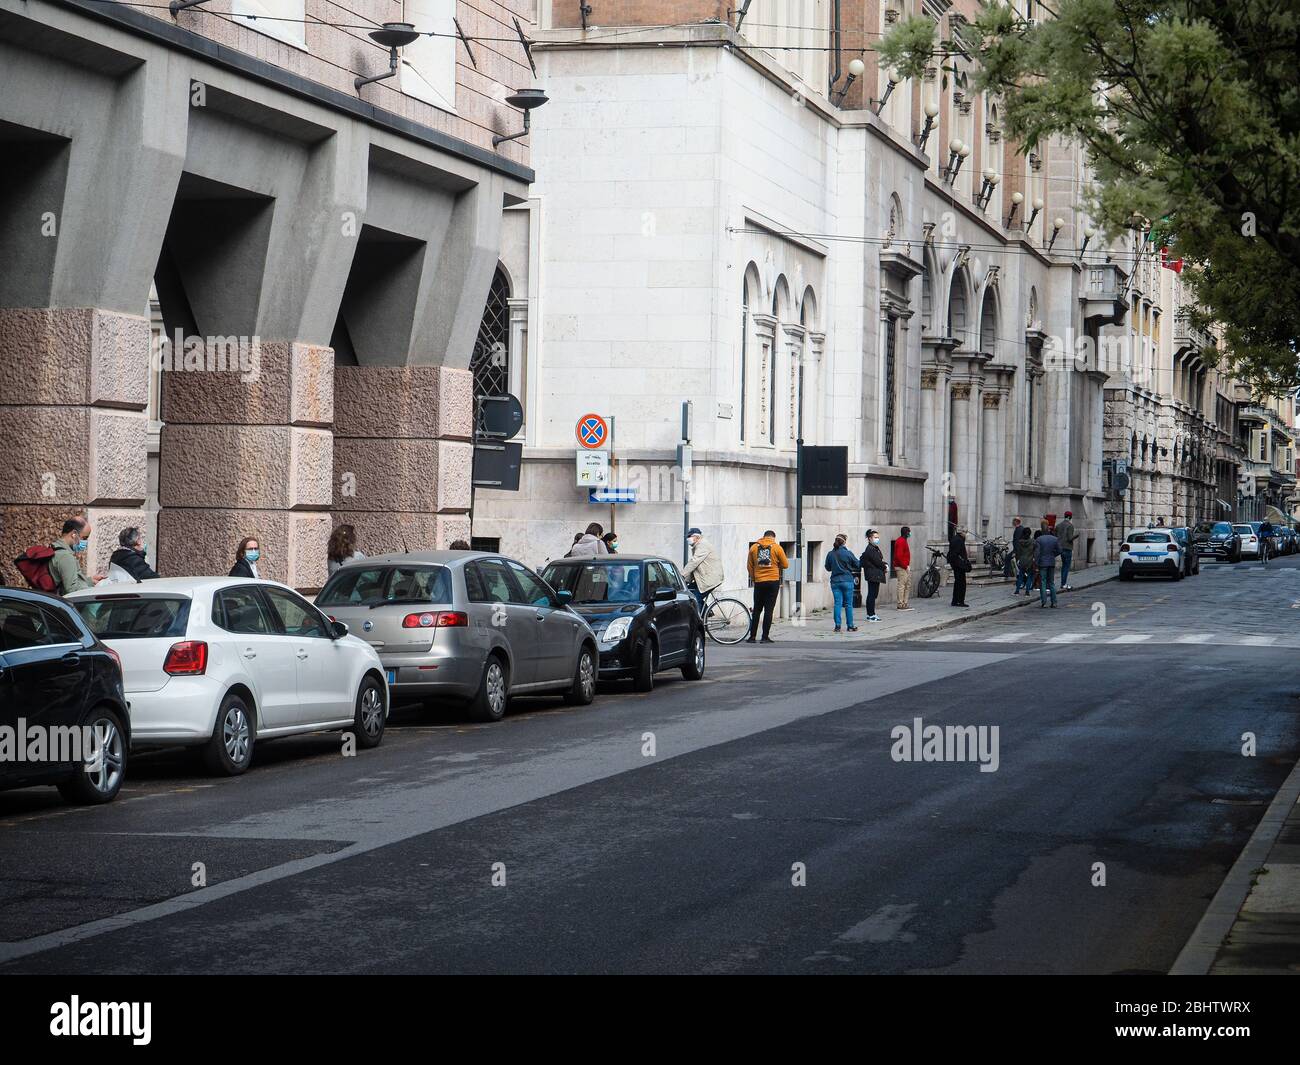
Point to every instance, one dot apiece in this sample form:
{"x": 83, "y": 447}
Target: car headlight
{"x": 616, "y": 630}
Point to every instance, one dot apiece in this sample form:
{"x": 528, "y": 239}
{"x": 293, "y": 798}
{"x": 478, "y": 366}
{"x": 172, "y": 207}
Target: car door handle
{"x": 249, "y": 653}
{"x": 540, "y": 616}
{"x": 302, "y": 654}
{"x": 71, "y": 657}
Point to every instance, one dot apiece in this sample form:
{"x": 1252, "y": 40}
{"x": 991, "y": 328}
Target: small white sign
{"x": 592, "y": 469}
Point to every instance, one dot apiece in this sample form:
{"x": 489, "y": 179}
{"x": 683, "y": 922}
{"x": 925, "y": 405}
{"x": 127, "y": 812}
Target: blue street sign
{"x": 611, "y": 495}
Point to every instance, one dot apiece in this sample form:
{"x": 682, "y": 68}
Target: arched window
{"x": 744, "y": 352}
{"x": 490, "y": 361}
{"x": 989, "y": 324}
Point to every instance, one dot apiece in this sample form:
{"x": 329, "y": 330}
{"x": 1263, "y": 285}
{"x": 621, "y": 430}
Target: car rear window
{"x": 369, "y": 585}
{"x": 135, "y": 618}
{"x": 597, "y": 582}
{"x": 1148, "y": 538}
{"x": 1222, "y": 528}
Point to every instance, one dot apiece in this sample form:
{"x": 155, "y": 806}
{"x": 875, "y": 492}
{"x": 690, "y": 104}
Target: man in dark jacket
{"x": 130, "y": 559}
{"x": 960, "y": 564}
{"x": 1266, "y": 532}
{"x": 1047, "y": 549}
{"x": 873, "y": 571}
{"x": 1024, "y": 561}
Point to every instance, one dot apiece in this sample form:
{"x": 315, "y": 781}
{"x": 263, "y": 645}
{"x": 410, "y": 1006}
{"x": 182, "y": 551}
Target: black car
{"x": 1191, "y": 559}
{"x": 1217, "y": 539}
{"x": 644, "y": 618}
{"x": 63, "y": 714}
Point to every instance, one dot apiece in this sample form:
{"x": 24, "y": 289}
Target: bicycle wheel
{"x": 929, "y": 584}
{"x": 726, "y": 621}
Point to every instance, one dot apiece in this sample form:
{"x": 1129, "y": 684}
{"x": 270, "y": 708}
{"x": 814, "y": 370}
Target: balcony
{"x": 1104, "y": 298}
{"x": 1188, "y": 336}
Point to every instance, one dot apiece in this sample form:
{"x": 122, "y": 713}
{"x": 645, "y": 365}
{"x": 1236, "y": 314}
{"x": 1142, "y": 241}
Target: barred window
{"x": 490, "y": 362}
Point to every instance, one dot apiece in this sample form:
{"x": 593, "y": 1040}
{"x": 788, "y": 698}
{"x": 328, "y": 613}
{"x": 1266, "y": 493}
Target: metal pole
{"x": 798, "y": 504}
{"x": 686, "y": 485}
{"x": 613, "y": 479}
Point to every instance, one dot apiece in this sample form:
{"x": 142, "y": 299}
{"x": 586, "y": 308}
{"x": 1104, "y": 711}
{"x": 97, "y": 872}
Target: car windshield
{"x": 135, "y": 617}
{"x": 373, "y": 585}
{"x": 1221, "y": 528}
{"x": 1148, "y": 538}
{"x": 597, "y": 582}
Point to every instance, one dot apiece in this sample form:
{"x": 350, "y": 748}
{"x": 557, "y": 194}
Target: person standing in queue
{"x": 766, "y": 563}
{"x": 873, "y": 571}
{"x": 842, "y": 564}
{"x": 246, "y": 556}
{"x": 901, "y": 557}
{"x": 960, "y": 564}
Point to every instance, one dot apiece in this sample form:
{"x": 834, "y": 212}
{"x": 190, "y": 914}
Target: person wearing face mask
{"x": 842, "y": 564}
{"x": 611, "y": 542}
{"x": 64, "y": 568}
{"x": 129, "y": 563}
{"x": 704, "y": 571}
{"x": 246, "y": 558}
{"x": 873, "y": 571}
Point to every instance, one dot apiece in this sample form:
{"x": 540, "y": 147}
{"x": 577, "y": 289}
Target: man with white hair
{"x": 704, "y": 571}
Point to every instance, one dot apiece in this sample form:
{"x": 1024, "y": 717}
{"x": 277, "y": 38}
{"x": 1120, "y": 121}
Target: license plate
{"x": 392, "y": 676}
{"x": 1148, "y": 558}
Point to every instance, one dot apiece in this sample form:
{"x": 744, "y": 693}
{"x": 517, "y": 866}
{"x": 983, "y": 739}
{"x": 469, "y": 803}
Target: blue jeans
{"x": 843, "y": 594}
{"x": 1067, "y": 556}
{"x": 1046, "y": 574}
{"x": 1024, "y": 579}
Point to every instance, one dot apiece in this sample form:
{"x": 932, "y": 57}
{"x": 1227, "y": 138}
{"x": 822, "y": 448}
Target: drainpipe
{"x": 835, "y": 33}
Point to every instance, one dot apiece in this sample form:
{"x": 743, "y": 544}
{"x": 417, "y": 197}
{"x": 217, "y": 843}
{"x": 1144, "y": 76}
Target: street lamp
{"x": 958, "y": 150}
{"x": 1017, "y": 198}
{"x": 991, "y": 180}
{"x": 962, "y": 156}
{"x": 525, "y": 100}
{"x": 856, "y": 67}
{"x": 894, "y": 78}
{"x": 1038, "y": 206}
{"x": 1057, "y": 224}
{"x": 931, "y": 112}
{"x": 392, "y": 35}
{"x": 1088, "y": 233}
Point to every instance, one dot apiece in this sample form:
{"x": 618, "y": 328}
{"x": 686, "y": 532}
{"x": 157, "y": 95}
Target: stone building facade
{"x": 319, "y": 256}
{"x": 738, "y": 219}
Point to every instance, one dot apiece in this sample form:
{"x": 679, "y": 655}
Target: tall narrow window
{"x": 744, "y": 355}
{"x": 490, "y": 361}
{"x": 891, "y": 332}
{"x": 1029, "y": 436}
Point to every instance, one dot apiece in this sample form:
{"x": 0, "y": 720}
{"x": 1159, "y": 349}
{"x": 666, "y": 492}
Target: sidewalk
{"x": 929, "y": 615}
{"x": 1252, "y": 926}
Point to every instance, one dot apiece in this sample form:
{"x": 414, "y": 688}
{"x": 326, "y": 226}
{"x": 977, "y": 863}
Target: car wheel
{"x": 694, "y": 668}
{"x": 370, "y": 718}
{"x": 643, "y": 680}
{"x": 230, "y": 750}
{"x": 489, "y": 702}
{"x": 583, "y": 690}
{"x": 100, "y": 777}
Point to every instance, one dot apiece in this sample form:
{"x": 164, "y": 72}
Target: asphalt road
{"x": 1119, "y": 755}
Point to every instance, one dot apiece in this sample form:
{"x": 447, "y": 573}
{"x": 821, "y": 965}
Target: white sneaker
{"x": 873, "y": 618}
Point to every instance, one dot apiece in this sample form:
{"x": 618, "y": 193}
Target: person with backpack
{"x": 1065, "y": 532}
{"x": 842, "y": 564}
{"x": 901, "y": 557}
{"x": 1047, "y": 549}
{"x": 766, "y": 562}
{"x": 64, "y": 568}
{"x": 873, "y": 571}
{"x": 246, "y": 556}
{"x": 1024, "y": 562}
{"x": 130, "y": 563}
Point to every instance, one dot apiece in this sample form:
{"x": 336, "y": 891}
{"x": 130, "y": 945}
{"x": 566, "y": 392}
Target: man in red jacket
{"x": 901, "y": 555}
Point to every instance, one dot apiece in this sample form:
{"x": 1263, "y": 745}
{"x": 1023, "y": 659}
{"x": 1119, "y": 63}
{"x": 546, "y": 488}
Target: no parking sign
{"x": 592, "y": 432}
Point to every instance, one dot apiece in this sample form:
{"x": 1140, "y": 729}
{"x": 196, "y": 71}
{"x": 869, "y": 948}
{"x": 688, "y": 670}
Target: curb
{"x": 1202, "y": 947}
{"x": 963, "y": 619}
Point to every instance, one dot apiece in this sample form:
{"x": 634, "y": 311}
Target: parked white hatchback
{"x": 221, "y": 662}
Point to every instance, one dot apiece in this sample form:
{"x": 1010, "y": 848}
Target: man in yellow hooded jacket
{"x": 766, "y": 563}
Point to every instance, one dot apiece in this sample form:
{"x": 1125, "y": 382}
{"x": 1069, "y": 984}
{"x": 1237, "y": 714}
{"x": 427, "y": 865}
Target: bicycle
{"x": 998, "y": 556}
{"x": 932, "y": 577}
{"x": 726, "y": 621}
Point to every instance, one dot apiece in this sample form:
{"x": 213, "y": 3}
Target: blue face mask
{"x": 253, "y": 555}
{"x": 79, "y": 546}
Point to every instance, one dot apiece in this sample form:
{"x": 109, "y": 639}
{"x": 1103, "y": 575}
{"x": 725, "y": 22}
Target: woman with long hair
{"x": 342, "y": 548}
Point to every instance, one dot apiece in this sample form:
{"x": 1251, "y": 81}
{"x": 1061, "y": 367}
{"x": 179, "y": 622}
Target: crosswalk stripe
{"x": 1009, "y": 637}
{"x": 1257, "y": 641}
{"x": 1195, "y": 637}
{"x": 949, "y": 637}
{"x": 1132, "y": 637}
{"x": 1069, "y": 637}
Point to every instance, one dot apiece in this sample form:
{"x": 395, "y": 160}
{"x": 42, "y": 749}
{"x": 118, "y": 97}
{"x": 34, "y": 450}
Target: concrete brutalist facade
{"x": 338, "y": 246}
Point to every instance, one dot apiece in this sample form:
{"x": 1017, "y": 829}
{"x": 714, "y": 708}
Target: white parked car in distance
{"x": 1151, "y": 552}
{"x": 222, "y": 662}
{"x": 1249, "y": 539}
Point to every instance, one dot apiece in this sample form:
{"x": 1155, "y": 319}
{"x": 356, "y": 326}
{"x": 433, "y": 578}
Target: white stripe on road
{"x": 1257, "y": 641}
{"x": 1069, "y": 637}
{"x": 1132, "y": 637}
{"x": 1010, "y": 637}
{"x": 1195, "y": 637}
{"x": 949, "y": 637}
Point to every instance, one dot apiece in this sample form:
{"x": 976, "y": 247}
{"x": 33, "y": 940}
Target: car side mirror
{"x": 665, "y": 595}
{"x": 564, "y": 597}
{"x": 339, "y": 629}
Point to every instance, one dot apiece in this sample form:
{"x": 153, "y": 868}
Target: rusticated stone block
{"x": 382, "y": 532}
{"x": 309, "y": 535}
{"x": 455, "y": 474}
{"x": 386, "y": 475}
{"x": 243, "y": 380}
{"x": 451, "y": 527}
{"x": 119, "y": 458}
{"x": 311, "y": 468}
{"x": 386, "y": 401}
{"x": 64, "y": 357}
{"x": 455, "y": 403}
{"x": 241, "y": 466}
{"x": 46, "y": 455}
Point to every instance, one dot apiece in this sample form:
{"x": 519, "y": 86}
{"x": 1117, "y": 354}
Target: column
{"x": 794, "y": 344}
{"x": 934, "y": 436}
{"x": 765, "y": 334}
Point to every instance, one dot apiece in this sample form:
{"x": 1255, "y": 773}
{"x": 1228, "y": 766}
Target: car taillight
{"x": 116, "y": 658}
{"x": 1172, "y": 547}
{"x": 1123, "y": 547}
{"x": 1252, "y": 540}
{"x": 440, "y": 619}
{"x": 186, "y": 659}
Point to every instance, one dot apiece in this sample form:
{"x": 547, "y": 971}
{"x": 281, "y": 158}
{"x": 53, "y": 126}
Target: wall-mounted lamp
{"x": 392, "y": 35}
{"x": 856, "y": 67}
{"x": 931, "y": 112}
{"x": 958, "y": 152}
{"x": 1038, "y": 206}
{"x": 584, "y": 9}
{"x": 1057, "y": 224}
{"x": 1088, "y": 233}
{"x": 525, "y": 100}
{"x": 991, "y": 180}
{"x": 1017, "y": 198}
{"x": 1035, "y": 162}
{"x": 894, "y": 78}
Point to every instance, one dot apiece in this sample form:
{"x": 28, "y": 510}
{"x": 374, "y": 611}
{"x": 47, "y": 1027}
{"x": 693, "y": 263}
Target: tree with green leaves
{"x": 1190, "y": 115}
